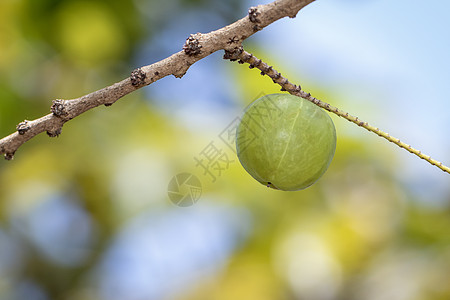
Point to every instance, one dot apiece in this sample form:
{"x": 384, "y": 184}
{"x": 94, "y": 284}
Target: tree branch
{"x": 197, "y": 47}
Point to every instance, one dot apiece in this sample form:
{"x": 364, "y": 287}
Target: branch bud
{"x": 58, "y": 108}
{"x": 23, "y": 127}
{"x": 192, "y": 45}
{"x": 137, "y": 77}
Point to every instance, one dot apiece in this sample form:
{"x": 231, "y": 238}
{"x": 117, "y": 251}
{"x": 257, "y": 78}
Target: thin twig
{"x": 197, "y": 47}
{"x": 254, "y": 62}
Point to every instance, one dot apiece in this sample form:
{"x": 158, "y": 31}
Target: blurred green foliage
{"x": 358, "y": 233}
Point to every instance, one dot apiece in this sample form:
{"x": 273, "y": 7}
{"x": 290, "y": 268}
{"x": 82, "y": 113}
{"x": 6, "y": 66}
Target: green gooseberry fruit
{"x": 285, "y": 142}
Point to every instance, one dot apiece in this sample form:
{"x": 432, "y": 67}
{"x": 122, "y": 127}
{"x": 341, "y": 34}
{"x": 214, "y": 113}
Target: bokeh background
{"x": 86, "y": 215}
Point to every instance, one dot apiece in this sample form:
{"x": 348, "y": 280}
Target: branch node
{"x": 137, "y": 78}
{"x": 192, "y": 46}
{"x": 59, "y": 108}
{"x": 23, "y": 127}
{"x": 253, "y": 14}
{"x": 9, "y": 156}
{"x": 227, "y": 55}
{"x": 233, "y": 55}
{"x": 54, "y": 133}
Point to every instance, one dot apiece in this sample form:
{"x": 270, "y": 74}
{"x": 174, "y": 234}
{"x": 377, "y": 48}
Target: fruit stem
{"x": 296, "y": 90}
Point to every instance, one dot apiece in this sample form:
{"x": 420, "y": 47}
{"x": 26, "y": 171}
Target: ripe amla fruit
{"x": 285, "y": 142}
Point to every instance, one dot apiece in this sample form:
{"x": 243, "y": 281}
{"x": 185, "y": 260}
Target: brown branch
{"x": 197, "y": 46}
